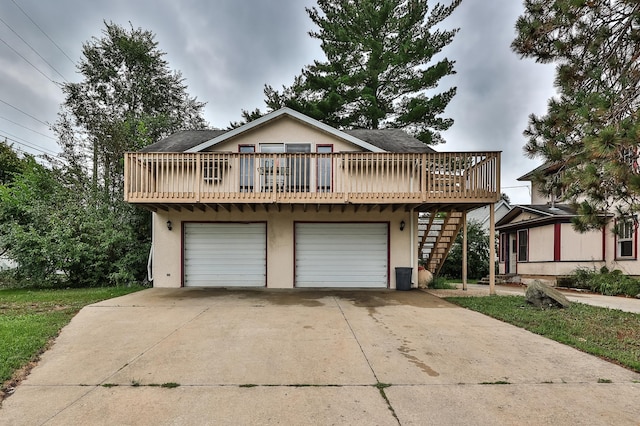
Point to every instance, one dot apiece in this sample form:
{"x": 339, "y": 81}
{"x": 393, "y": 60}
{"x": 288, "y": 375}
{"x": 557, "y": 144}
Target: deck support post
{"x": 492, "y": 249}
{"x": 464, "y": 251}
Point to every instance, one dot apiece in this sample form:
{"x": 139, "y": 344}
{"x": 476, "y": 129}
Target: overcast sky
{"x": 228, "y": 49}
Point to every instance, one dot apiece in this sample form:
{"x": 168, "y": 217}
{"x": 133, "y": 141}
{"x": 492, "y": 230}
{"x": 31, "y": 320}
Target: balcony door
{"x": 288, "y": 173}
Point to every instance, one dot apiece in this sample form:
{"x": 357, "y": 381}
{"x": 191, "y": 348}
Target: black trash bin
{"x": 403, "y": 278}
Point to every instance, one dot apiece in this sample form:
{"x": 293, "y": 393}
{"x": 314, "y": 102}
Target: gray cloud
{"x": 228, "y": 50}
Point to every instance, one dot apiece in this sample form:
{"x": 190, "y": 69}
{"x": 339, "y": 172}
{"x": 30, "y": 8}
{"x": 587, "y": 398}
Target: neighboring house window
{"x": 504, "y": 246}
{"x": 626, "y": 239}
{"x": 523, "y": 245}
{"x": 630, "y": 156}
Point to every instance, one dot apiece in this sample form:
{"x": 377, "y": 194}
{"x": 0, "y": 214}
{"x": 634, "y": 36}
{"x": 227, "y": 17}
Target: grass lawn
{"x": 30, "y": 318}
{"x": 611, "y": 334}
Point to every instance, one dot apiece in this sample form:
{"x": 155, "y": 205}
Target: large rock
{"x": 543, "y": 296}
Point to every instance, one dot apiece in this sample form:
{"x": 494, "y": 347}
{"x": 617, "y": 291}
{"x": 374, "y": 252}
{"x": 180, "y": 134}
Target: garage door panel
{"x": 225, "y": 254}
{"x": 342, "y": 255}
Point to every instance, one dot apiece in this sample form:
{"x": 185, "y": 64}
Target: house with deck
{"x": 286, "y": 201}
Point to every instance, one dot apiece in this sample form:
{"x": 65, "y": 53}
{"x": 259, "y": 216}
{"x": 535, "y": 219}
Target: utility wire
{"x": 51, "y": 160}
{"x": 28, "y": 128}
{"x": 34, "y": 50}
{"x": 42, "y": 31}
{"x": 29, "y": 62}
{"x": 21, "y": 141}
{"x": 25, "y": 113}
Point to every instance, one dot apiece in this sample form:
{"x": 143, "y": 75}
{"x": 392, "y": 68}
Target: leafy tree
{"x": 590, "y": 134}
{"x": 58, "y": 236}
{"x": 128, "y": 98}
{"x": 69, "y": 225}
{"x": 378, "y": 69}
{"x": 477, "y": 254}
{"x": 10, "y": 163}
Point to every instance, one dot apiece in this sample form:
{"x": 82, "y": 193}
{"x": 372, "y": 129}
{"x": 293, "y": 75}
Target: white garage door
{"x": 342, "y": 255}
{"x": 225, "y": 255}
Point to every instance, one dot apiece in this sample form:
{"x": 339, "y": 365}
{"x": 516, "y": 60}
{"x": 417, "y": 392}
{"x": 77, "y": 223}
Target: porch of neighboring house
{"x": 446, "y": 185}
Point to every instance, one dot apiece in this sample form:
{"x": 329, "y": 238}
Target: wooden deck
{"x": 167, "y": 179}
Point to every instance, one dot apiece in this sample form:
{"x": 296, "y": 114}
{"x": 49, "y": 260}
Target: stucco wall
{"x": 167, "y": 268}
{"x": 284, "y": 130}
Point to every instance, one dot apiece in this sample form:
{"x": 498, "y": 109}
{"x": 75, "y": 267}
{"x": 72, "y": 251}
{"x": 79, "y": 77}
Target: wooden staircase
{"x": 436, "y": 236}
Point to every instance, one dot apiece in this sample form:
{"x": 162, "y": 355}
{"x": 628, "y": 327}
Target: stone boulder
{"x": 425, "y": 277}
{"x": 543, "y": 296}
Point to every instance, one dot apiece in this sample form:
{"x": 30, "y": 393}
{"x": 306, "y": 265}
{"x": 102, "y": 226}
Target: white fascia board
{"x": 294, "y": 114}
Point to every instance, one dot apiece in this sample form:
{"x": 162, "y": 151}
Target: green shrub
{"x": 440, "y": 283}
{"x": 477, "y": 254}
{"x": 609, "y": 283}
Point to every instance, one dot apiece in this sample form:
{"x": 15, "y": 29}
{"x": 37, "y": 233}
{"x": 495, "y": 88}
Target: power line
{"x": 25, "y": 113}
{"x": 24, "y": 142}
{"x": 29, "y": 62}
{"x": 34, "y": 50}
{"x": 25, "y": 127}
{"x": 50, "y": 160}
{"x": 42, "y": 31}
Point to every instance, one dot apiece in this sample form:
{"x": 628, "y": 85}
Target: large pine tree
{"x": 379, "y": 69}
{"x": 590, "y": 135}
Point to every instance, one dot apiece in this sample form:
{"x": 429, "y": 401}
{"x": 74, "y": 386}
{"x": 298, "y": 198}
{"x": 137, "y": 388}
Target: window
{"x": 247, "y": 162}
{"x": 504, "y": 247}
{"x": 626, "y": 231}
{"x": 211, "y": 172}
{"x": 630, "y": 157}
{"x": 523, "y": 245}
{"x": 325, "y": 172}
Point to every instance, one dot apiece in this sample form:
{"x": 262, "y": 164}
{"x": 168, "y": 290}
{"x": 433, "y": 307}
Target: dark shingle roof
{"x": 183, "y": 140}
{"x": 547, "y": 209}
{"x": 391, "y": 140}
{"x": 545, "y": 213}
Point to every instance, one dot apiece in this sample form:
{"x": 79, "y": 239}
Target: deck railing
{"x": 317, "y": 178}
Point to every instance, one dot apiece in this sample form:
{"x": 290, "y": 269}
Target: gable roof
{"x": 544, "y": 214}
{"x": 282, "y": 113}
{"x": 382, "y": 140}
{"x": 483, "y": 213}
{"x": 545, "y": 167}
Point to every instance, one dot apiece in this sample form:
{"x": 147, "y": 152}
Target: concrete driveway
{"x": 312, "y": 357}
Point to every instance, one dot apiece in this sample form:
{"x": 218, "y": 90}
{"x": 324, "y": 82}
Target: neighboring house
{"x": 481, "y": 214}
{"x": 7, "y": 263}
{"x": 286, "y": 201}
{"x": 537, "y": 241}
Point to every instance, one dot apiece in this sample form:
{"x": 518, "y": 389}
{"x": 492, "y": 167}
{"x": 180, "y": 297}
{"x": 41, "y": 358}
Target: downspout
{"x": 150, "y": 265}
{"x": 150, "y": 261}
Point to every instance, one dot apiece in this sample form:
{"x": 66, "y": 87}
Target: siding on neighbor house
{"x": 591, "y": 250}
